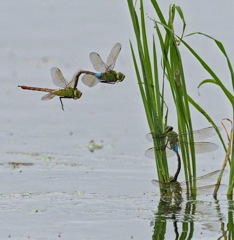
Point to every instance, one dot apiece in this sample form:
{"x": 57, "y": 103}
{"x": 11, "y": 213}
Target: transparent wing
{"x": 209, "y": 189}
{"x": 90, "y": 80}
{"x": 97, "y": 62}
{"x": 58, "y": 78}
{"x": 110, "y": 62}
{"x": 150, "y": 153}
{"x": 149, "y": 136}
{"x": 204, "y": 147}
{"x": 206, "y": 179}
{"x": 48, "y": 96}
{"x": 167, "y": 197}
{"x": 157, "y": 183}
{"x": 203, "y": 133}
{"x": 73, "y": 81}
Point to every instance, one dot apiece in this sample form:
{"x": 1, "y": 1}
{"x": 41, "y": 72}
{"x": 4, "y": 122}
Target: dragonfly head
{"x": 120, "y": 76}
{"x": 77, "y": 94}
{"x": 168, "y": 129}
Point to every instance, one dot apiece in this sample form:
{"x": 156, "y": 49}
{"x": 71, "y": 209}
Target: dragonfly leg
{"x": 60, "y": 98}
{"x": 61, "y": 102}
{"x": 108, "y": 82}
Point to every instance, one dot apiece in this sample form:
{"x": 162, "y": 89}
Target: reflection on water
{"x": 185, "y": 215}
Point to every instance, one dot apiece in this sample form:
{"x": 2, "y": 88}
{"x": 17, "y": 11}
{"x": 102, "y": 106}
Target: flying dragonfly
{"x": 66, "y": 90}
{"x": 105, "y": 74}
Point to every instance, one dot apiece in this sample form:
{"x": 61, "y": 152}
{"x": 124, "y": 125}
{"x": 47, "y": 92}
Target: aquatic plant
{"x": 164, "y": 55}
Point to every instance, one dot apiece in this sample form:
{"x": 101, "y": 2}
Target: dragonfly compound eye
{"x": 168, "y": 129}
{"x": 77, "y": 94}
{"x": 120, "y": 76}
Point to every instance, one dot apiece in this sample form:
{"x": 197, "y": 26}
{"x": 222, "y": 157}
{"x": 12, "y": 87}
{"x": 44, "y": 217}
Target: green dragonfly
{"x": 66, "y": 90}
{"x": 177, "y": 192}
{"x": 173, "y": 142}
{"x": 105, "y": 74}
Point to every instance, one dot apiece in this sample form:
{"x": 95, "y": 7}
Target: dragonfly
{"x": 173, "y": 142}
{"x": 66, "y": 89}
{"x": 177, "y": 191}
{"x": 105, "y": 74}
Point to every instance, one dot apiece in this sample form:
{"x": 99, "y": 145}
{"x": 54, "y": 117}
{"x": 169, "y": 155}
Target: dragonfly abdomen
{"x": 175, "y": 148}
{"x": 37, "y": 89}
{"x": 98, "y": 75}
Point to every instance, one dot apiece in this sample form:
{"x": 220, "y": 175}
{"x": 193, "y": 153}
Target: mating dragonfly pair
{"x": 105, "y": 74}
{"x": 176, "y": 190}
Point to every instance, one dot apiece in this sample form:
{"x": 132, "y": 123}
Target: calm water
{"x": 65, "y": 190}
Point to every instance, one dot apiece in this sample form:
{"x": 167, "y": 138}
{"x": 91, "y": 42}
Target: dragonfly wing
{"x": 207, "y": 179}
{"x": 166, "y": 197}
{"x": 73, "y": 81}
{"x": 205, "y": 133}
{"x": 156, "y": 183}
{"x": 113, "y": 56}
{"x": 204, "y": 147}
{"x": 209, "y": 189}
{"x": 150, "y": 153}
{"x": 48, "y": 96}
{"x": 204, "y": 190}
{"x": 90, "y": 80}
{"x": 149, "y": 137}
{"x": 58, "y": 78}
{"x": 97, "y": 62}
{"x": 170, "y": 153}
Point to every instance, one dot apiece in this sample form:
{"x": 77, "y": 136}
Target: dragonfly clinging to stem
{"x": 178, "y": 191}
{"x": 66, "y": 90}
{"x": 173, "y": 142}
{"x": 105, "y": 74}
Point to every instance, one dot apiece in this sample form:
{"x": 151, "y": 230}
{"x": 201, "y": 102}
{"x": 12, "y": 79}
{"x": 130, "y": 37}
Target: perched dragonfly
{"x": 177, "y": 192}
{"x": 66, "y": 90}
{"x": 173, "y": 142}
{"x": 105, "y": 74}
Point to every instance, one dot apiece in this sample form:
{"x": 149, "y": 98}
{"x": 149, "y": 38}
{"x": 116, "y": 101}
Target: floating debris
{"x": 94, "y": 146}
{"x": 20, "y": 163}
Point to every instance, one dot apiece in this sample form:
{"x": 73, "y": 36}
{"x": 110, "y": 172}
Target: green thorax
{"x": 175, "y": 186}
{"x": 173, "y": 193}
{"x": 68, "y": 93}
{"x": 176, "y": 191}
{"x": 112, "y": 76}
{"x": 173, "y": 139}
